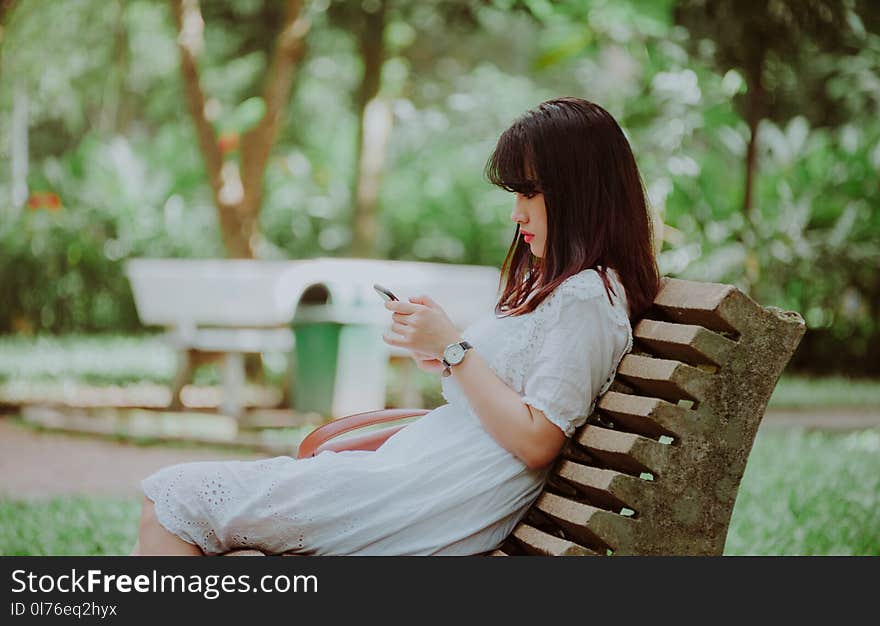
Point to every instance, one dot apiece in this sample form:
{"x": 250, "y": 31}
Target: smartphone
{"x": 385, "y": 293}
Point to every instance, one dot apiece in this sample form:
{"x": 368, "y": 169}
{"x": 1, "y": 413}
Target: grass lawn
{"x": 69, "y": 526}
{"x": 803, "y": 493}
{"x": 809, "y": 492}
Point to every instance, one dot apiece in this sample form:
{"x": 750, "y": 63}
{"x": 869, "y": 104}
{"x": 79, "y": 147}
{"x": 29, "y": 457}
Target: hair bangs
{"x": 510, "y": 167}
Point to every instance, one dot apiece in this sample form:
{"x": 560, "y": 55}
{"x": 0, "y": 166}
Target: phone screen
{"x": 385, "y": 293}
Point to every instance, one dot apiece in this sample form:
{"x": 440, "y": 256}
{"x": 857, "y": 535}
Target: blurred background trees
{"x": 361, "y": 128}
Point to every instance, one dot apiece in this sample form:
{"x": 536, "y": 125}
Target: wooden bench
{"x": 656, "y": 468}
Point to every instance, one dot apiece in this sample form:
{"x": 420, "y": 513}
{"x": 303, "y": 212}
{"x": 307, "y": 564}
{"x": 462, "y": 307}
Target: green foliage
{"x": 111, "y": 137}
{"x": 813, "y": 248}
{"x": 63, "y": 269}
{"x": 794, "y": 48}
{"x": 818, "y": 248}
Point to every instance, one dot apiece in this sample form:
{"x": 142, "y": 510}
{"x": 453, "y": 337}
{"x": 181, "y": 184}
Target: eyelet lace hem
{"x": 172, "y": 522}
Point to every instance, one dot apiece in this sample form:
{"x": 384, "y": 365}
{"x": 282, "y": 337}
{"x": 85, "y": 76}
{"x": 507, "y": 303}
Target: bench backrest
{"x": 656, "y": 468}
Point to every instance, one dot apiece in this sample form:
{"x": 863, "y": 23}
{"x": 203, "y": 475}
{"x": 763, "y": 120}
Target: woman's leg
{"x": 155, "y": 540}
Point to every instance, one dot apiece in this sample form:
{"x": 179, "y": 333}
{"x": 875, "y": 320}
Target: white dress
{"x": 440, "y": 486}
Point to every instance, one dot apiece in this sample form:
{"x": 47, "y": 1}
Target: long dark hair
{"x": 576, "y": 154}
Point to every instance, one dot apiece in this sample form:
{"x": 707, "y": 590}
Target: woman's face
{"x": 531, "y": 215}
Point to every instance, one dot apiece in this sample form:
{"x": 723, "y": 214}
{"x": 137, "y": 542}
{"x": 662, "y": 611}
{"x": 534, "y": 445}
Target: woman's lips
{"x": 528, "y": 237}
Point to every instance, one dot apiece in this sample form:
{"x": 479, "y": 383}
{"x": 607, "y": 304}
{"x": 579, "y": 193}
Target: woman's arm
{"x": 522, "y": 430}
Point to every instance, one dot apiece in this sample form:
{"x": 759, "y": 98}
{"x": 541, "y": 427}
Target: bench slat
{"x": 585, "y": 524}
{"x": 651, "y": 417}
{"x": 606, "y": 488}
{"x": 665, "y": 378}
{"x": 249, "y": 340}
{"x": 716, "y": 306}
{"x": 688, "y": 343}
{"x": 534, "y": 541}
{"x": 623, "y": 451}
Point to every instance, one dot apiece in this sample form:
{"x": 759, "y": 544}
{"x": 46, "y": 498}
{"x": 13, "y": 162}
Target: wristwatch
{"x": 453, "y": 355}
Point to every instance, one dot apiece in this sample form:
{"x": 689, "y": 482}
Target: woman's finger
{"x": 400, "y": 306}
{"x": 391, "y": 340}
{"x": 401, "y": 329}
{"x": 431, "y": 366}
{"x": 401, "y": 317}
{"x": 423, "y": 300}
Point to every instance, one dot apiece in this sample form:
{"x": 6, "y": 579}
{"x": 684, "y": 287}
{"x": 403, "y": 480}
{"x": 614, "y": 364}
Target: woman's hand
{"x": 421, "y": 326}
{"x": 428, "y": 363}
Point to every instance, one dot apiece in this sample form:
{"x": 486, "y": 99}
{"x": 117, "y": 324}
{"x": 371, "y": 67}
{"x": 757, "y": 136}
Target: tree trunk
{"x": 238, "y": 191}
{"x": 19, "y": 149}
{"x": 125, "y": 110}
{"x": 115, "y": 114}
{"x": 754, "y": 119}
{"x": 374, "y": 128}
{"x": 754, "y": 115}
{"x": 256, "y": 144}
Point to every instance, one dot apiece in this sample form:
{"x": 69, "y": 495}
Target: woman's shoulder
{"x": 584, "y": 285}
{"x": 587, "y": 285}
{"x": 575, "y": 290}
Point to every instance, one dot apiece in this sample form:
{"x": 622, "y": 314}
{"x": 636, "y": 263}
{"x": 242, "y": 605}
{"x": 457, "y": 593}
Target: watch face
{"x": 454, "y": 354}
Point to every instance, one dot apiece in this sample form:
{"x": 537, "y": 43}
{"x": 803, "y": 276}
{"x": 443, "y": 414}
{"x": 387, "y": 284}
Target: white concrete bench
{"x": 231, "y": 307}
{"x": 231, "y": 344}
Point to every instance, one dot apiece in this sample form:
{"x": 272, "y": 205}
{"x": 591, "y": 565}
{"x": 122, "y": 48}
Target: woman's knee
{"x": 148, "y": 514}
{"x": 146, "y": 504}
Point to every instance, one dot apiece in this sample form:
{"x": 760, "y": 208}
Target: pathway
{"x": 37, "y": 464}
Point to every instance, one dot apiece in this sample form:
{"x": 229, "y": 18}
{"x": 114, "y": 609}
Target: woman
{"x": 458, "y": 480}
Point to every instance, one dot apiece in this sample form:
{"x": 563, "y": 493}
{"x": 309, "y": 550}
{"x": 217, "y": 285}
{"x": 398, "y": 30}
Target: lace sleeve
{"x": 583, "y": 339}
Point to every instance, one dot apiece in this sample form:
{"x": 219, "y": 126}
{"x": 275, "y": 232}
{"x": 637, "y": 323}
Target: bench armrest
{"x": 319, "y": 439}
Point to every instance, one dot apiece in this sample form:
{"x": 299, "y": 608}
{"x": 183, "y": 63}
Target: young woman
{"x": 518, "y": 382}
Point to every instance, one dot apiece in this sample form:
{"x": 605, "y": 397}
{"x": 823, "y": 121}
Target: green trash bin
{"x": 340, "y": 362}
{"x": 313, "y": 368}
